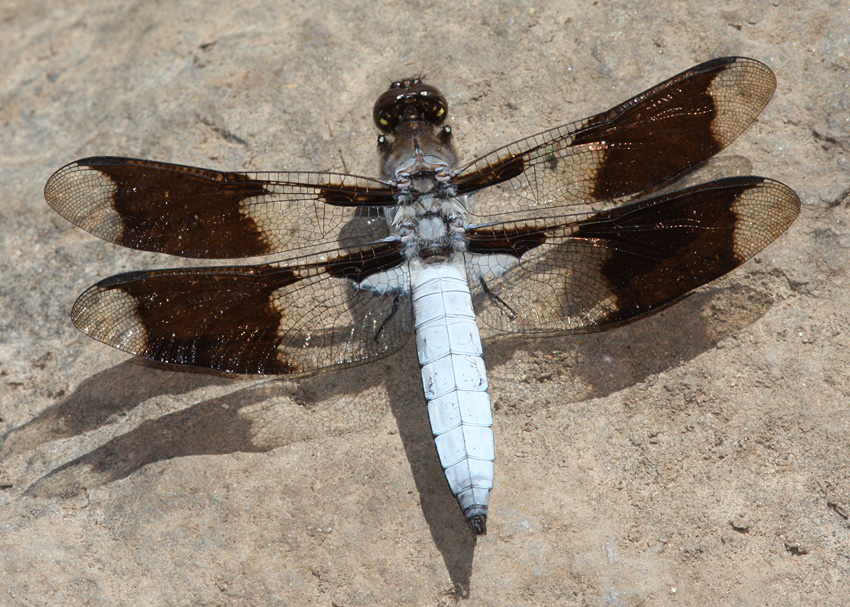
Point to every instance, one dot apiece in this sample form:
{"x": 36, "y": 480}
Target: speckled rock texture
{"x": 698, "y": 457}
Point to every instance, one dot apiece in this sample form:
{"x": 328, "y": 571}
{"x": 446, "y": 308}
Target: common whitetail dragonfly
{"x": 563, "y": 235}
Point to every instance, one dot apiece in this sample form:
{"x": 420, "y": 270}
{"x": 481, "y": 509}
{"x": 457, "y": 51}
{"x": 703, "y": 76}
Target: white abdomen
{"x": 455, "y": 383}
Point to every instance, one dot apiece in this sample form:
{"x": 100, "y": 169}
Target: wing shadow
{"x": 603, "y": 362}
{"x": 259, "y": 417}
{"x": 595, "y": 365}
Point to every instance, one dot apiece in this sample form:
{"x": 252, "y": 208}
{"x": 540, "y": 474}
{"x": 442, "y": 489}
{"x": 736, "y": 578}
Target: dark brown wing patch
{"x": 637, "y": 145}
{"x": 214, "y": 318}
{"x": 195, "y": 212}
{"x": 510, "y": 240}
{"x": 676, "y": 124}
{"x": 271, "y": 318}
{"x": 503, "y": 169}
{"x": 587, "y": 274}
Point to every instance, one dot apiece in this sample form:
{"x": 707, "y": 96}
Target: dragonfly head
{"x": 409, "y": 100}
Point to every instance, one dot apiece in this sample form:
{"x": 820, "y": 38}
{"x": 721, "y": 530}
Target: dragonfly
{"x": 570, "y": 230}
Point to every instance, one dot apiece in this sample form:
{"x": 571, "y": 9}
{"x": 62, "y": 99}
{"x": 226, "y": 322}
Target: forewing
{"x": 201, "y": 213}
{"x": 633, "y": 147}
{"x": 582, "y": 274}
{"x": 295, "y": 317}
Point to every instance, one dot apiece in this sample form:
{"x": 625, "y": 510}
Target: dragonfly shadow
{"x": 264, "y": 415}
{"x": 595, "y": 365}
{"x": 268, "y": 414}
{"x": 101, "y": 399}
{"x": 449, "y": 531}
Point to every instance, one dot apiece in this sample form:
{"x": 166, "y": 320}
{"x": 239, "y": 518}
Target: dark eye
{"x": 436, "y": 113}
{"x": 409, "y": 100}
{"x": 388, "y": 120}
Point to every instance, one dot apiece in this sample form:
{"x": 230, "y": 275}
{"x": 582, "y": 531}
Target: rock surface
{"x": 699, "y": 457}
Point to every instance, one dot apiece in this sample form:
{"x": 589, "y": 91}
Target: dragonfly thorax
{"x": 430, "y": 226}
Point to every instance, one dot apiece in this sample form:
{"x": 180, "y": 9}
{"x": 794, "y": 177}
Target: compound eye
{"x": 386, "y": 120}
{"x": 385, "y": 112}
{"x": 406, "y": 101}
{"x": 435, "y": 113}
